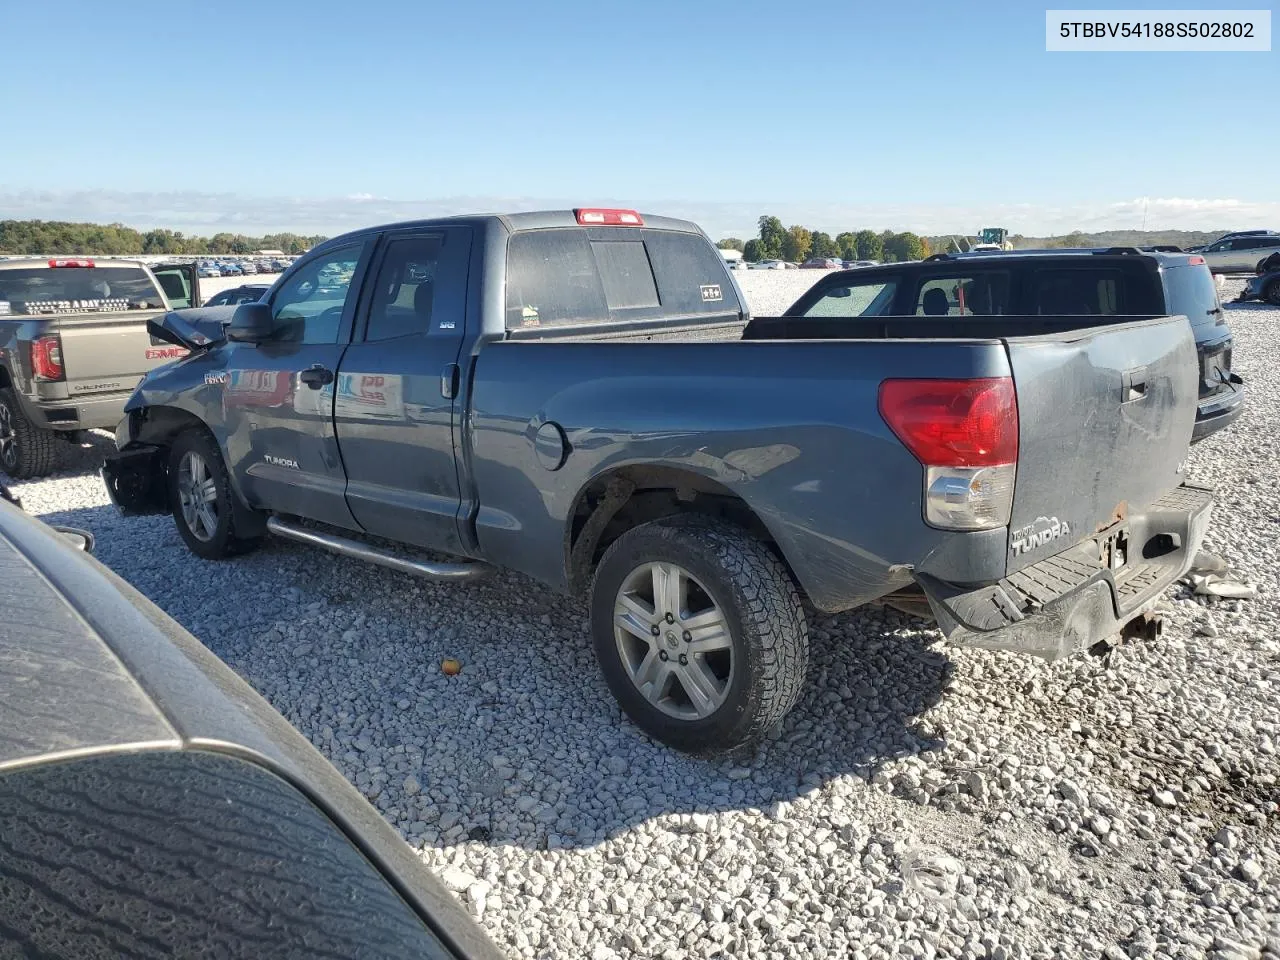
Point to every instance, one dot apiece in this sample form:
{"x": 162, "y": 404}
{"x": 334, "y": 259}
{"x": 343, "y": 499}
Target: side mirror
{"x": 251, "y": 323}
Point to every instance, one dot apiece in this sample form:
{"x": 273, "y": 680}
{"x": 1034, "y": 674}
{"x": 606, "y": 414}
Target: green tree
{"x": 847, "y": 246}
{"x": 823, "y": 245}
{"x": 730, "y": 243}
{"x": 795, "y": 247}
{"x": 905, "y": 246}
{"x": 772, "y": 237}
{"x": 751, "y": 251}
{"x": 869, "y": 246}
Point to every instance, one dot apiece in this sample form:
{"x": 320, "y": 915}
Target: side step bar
{"x": 472, "y": 570}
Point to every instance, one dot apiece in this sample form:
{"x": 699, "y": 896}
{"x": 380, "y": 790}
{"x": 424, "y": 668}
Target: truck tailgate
{"x": 1105, "y": 420}
{"x": 108, "y": 353}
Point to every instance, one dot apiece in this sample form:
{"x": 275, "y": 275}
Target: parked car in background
{"x": 851, "y": 264}
{"x": 821, "y": 263}
{"x": 230, "y": 269}
{"x": 74, "y": 344}
{"x": 1240, "y": 254}
{"x": 210, "y": 270}
{"x": 248, "y": 267}
{"x": 155, "y": 805}
{"x": 584, "y": 410}
{"x": 968, "y": 288}
{"x": 1263, "y": 287}
{"x": 245, "y": 293}
{"x": 767, "y": 265}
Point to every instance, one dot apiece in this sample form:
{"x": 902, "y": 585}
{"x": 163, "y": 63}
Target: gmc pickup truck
{"x": 74, "y": 344}
{"x": 570, "y": 395}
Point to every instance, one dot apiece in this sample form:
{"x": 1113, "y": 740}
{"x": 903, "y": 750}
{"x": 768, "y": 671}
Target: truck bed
{"x": 791, "y": 426}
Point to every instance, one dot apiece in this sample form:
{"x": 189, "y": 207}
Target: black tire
{"x": 25, "y": 450}
{"x": 214, "y": 540}
{"x": 760, "y": 607}
{"x": 1273, "y": 292}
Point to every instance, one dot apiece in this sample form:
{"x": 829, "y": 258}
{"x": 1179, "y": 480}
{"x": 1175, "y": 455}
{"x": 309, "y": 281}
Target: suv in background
{"x": 1240, "y": 253}
{"x": 1116, "y": 281}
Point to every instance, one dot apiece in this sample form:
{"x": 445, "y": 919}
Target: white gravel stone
{"x": 592, "y": 841}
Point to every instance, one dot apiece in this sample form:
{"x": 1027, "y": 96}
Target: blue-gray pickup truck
{"x": 583, "y": 396}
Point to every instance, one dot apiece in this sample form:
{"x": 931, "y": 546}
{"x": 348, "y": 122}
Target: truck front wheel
{"x": 699, "y": 633}
{"x": 202, "y": 500}
{"x": 25, "y": 449}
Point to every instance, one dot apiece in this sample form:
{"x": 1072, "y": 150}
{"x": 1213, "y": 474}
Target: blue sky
{"x": 324, "y": 115}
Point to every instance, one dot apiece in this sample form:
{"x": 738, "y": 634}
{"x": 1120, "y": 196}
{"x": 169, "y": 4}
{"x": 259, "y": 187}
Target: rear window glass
{"x": 1192, "y": 293}
{"x": 625, "y": 273}
{"x": 984, "y": 294}
{"x": 1078, "y": 292}
{"x": 52, "y": 290}
{"x": 557, "y": 277}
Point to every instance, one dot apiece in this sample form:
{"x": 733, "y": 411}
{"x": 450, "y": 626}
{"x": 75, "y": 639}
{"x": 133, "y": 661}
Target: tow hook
{"x": 1147, "y": 626}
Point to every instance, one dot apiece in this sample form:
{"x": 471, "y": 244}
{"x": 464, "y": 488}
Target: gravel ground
{"x": 920, "y": 801}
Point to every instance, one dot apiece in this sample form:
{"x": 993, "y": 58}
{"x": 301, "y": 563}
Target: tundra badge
{"x": 1036, "y": 534}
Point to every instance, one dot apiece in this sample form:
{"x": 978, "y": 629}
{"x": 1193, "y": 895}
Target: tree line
{"x": 41, "y": 237}
{"x": 797, "y": 243}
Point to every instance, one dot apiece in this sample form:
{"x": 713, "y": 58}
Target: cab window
{"x": 309, "y": 308}
{"x": 404, "y": 293}
{"x": 984, "y": 294}
{"x": 871, "y": 298}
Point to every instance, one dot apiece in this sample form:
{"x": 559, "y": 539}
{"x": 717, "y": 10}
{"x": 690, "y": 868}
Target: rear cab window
{"x": 984, "y": 293}
{"x": 40, "y": 290}
{"x": 567, "y": 276}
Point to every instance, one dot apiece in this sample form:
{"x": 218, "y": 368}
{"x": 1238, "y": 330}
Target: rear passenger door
{"x": 395, "y": 410}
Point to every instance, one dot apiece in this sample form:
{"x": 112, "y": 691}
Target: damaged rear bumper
{"x": 1068, "y": 602}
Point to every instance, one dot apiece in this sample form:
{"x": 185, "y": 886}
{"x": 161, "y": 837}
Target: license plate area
{"x": 1113, "y": 549}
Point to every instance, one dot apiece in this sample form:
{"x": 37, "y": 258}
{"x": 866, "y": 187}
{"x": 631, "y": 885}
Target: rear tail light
{"x": 71, "y": 263}
{"x": 46, "y": 358}
{"x": 595, "y": 216}
{"x": 965, "y": 434}
{"x": 1195, "y": 261}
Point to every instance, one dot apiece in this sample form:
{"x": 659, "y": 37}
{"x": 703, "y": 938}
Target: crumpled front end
{"x": 1066, "y": 603}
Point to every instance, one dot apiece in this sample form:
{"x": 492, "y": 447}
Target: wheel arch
{"x": 626, "y": 496}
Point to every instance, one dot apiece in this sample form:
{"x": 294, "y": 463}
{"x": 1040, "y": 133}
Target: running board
{"x": 473, "y": 570}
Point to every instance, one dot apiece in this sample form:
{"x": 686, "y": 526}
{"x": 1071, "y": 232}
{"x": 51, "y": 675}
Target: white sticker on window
{"x": 4, "y": 307}
{"x": 711, "y": 292}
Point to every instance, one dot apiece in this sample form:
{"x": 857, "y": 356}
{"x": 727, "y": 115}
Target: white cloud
{"x": 206, "y": 213}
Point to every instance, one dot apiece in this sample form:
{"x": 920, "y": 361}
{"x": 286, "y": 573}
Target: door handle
{"x": 449, "y": 381}
{"x": 1133, "y": 384}
{"x": 316, "y": 376}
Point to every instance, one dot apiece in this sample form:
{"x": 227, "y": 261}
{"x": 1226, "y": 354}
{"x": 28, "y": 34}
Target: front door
{"x": 278, "y": 397}
{"x": 395, "y": 409}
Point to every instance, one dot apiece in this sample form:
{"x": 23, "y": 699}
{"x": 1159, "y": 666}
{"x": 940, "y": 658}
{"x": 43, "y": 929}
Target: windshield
{"x": 29, "y": 291}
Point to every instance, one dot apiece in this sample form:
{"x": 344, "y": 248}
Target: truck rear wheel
{"x": 699, "y": 633}
{"x": 25, "y": 449}
{"x": 1273, "y": 292}
{"x": 202, "y": 500}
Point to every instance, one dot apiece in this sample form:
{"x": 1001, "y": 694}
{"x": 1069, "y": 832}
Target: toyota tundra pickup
{"x": 74, "y": 344}
{"x": 571, "y": 395}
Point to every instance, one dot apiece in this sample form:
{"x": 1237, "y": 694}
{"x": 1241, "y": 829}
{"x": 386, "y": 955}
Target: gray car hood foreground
{"x": 89, "y": 666}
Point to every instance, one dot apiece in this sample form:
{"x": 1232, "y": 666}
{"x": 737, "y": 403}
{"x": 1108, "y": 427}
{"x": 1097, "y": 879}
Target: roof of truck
{"x": 523, "y": 220}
